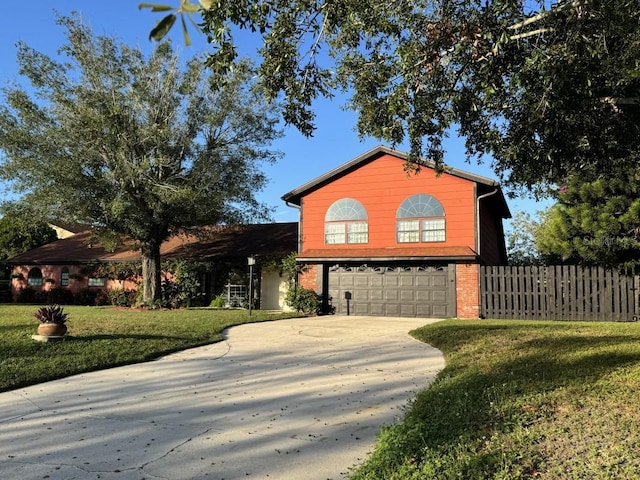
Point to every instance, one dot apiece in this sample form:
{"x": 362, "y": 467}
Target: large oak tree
{"x": 134, "y": 145}
{"x": 543, "y": 88}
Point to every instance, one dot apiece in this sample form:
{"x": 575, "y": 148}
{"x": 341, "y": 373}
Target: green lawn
{"x": 543, "y": 400}
{"x": 104, "y": 337}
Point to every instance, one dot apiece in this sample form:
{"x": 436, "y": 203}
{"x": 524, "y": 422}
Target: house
{"x": 378, "y": 240}
{"x": 375, "y": 240}
{"x": 64, "y": 263}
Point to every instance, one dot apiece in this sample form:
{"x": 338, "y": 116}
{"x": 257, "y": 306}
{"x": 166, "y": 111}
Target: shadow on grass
{"x": 8, "y": 328}
{"x": 122, "y": 336}
{"x": 502, "y": 378}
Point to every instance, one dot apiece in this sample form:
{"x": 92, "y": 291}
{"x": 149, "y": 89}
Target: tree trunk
{"x": 151, "y": 287}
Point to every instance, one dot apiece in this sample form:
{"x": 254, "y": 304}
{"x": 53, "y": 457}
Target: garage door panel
{"x": 439, "y": 311}
{"x": 439, "y": 296}
{"x": 346, "y": 281}
{"x": 391, "y": 295}
{"x": 361, "y": 281}
{"x": 424, "y": 296}
{"x": 439, "y": 281}
{"x": 377, "y": 309}
{"x": 406, "y": 281}
{"x": 376, "y": 294}
{"x": 407, "y": 310}
{"x": 424, "y": 281}
{"x": 360, "y": 295}
{"x": 391, "y": 280}
{"x": 407, "y": 295}
{"x": 361, "y": 309}
{"x": 392, "y": 309}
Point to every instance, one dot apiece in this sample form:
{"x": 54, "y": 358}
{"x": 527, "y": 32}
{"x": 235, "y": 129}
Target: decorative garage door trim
{"x": 395, "y": 290}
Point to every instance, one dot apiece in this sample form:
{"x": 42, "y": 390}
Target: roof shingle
{"x": 205, "y": 243}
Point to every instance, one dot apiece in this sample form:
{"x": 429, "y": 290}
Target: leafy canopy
{"x": 22, "y": 230}
{"x": 545, "y": 89}
{"x": 135, "y": 146}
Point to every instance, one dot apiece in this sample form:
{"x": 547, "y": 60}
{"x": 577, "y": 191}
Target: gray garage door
{"x": 394, "y": 291}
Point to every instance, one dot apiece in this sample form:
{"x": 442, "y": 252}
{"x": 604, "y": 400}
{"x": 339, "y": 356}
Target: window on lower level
{"x": 97, "y": 282}
{"x": 34, "y": 279}
{"x": 64, "y": 277}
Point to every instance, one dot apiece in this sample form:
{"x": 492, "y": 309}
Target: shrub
{"x": 122, "y": 298}
{"x": 183, "y": 288}
{"x": 26, "y": 295}
{"x": 304, "y": 300}
{"x": 5, "y": 296}
{"x": 86, "y": 296}
{"x": 60, "y": 296}
{"x": 219, "y": 302}
{"x": 102, "y": 298}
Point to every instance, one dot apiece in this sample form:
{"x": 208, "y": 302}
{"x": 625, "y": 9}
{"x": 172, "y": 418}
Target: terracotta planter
{"x": 52, "y": 329}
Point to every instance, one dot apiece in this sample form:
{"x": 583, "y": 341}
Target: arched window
{"x": 34, "y": 279}
{"x": 64, "y": 277}
{"x": 420, "y": 218}
{"x": 346, "y": 222}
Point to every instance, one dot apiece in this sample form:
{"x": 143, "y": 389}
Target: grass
{"x": 521, "y": 400}
{"x": 105, "y": 337}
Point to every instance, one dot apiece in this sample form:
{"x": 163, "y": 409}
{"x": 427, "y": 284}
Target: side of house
{"x": 78, "y": 264}
{"x": 378, "y": 240}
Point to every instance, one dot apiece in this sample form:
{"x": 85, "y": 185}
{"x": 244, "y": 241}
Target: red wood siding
{"x": 491, "y": 238}
{"x": 381, "y": 186}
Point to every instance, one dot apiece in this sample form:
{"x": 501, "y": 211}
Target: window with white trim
{"x": 34, "y": 278}
{"x": 96, "y": 282}
{"x": 420, "y": 218}
{"x": 346, "y": 222}
{"x": 64, "y": 277}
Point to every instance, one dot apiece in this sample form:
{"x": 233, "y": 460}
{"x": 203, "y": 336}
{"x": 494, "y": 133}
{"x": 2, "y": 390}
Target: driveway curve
{"x": 298, "y": 399}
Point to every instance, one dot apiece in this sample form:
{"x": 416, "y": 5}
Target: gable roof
{"x": 205, "y": 243}
{"x": 486, "y": 185}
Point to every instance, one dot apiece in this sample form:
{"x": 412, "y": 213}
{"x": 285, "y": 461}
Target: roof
{"x": 295, "y": 195}
{"x": 69, "y": 227}
{"x": 419, "y": 253}
{"x": 204, "y": 243}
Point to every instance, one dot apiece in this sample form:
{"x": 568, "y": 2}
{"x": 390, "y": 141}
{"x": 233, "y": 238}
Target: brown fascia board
{"x": 294, "y": 195}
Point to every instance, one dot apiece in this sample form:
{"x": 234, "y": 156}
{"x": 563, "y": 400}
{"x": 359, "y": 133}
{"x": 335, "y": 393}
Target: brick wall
{"x": 309, "y": 278}
{"x": 468, "y": 290}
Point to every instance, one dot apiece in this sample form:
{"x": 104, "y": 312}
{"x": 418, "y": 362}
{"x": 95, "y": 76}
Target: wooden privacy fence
{"x": 558, "y": 293}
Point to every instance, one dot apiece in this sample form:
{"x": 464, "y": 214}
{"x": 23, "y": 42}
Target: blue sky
{"x": 335, "y": 141}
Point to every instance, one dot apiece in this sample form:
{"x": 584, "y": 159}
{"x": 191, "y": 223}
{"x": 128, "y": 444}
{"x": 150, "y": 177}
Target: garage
{"x": 393, "y": 290}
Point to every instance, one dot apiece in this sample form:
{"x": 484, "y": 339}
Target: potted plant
{"x": 52, "y": 320}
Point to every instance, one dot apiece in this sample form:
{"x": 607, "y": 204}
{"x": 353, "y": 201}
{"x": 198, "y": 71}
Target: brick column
{"x": 309, "y": 278}
{"x": 468, "y": 290}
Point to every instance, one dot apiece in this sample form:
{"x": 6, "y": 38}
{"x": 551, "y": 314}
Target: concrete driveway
{"x": 298, "y": 399}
